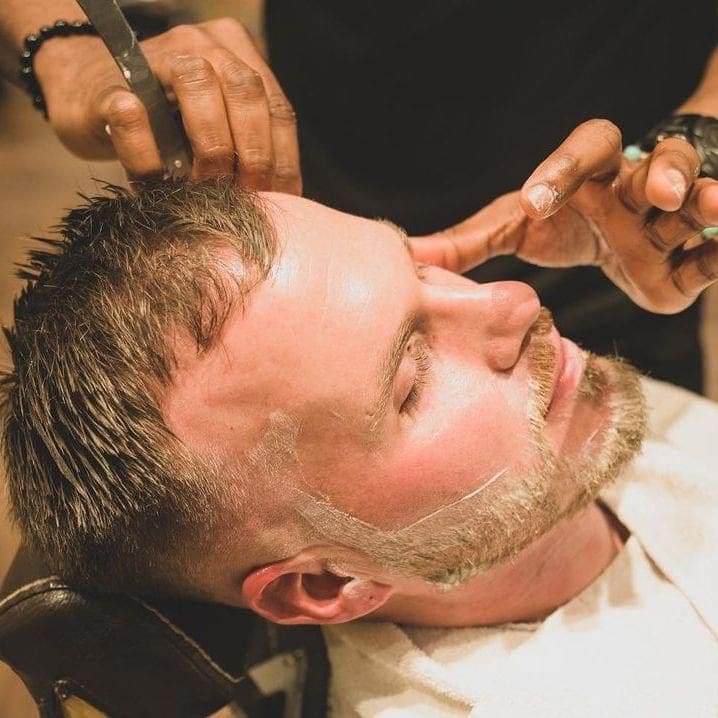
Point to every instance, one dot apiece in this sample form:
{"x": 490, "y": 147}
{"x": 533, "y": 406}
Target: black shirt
{"x": 422, "y": 112}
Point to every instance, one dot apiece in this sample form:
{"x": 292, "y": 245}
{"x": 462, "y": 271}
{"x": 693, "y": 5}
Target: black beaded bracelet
{"x": 33, "y": 42}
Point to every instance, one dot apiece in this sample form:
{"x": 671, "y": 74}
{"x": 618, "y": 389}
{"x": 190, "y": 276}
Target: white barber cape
{"x": 641, "y": 641}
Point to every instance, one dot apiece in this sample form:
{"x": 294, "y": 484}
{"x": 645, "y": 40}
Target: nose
{"x": 491, "y": 319}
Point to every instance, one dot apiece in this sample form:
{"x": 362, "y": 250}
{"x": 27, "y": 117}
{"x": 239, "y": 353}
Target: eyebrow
{"x": 392, "y": 359}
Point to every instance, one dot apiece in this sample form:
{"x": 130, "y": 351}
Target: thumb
{"x": 591, "y": 151}
{"x": 495, "y": 230}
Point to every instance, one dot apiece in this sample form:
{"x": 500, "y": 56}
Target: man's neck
{"x": 544, "y": 576}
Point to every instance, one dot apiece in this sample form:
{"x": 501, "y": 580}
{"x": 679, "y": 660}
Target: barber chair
{"x": 84, "y": 655}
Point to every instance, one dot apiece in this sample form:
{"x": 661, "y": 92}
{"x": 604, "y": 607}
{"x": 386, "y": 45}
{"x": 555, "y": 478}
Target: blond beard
{"x": 490, "y": 526}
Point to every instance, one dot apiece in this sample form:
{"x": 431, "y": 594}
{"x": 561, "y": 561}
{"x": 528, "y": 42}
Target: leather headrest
{"x": 130, "y": 657}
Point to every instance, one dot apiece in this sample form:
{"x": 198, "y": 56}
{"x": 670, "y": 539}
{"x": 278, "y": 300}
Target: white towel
{"x": 642, "y": 640}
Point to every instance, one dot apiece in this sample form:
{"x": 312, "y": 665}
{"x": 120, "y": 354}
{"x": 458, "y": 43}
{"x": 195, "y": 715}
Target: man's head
{"x": 321, "y": 417}
{"x": 97, "y": 481}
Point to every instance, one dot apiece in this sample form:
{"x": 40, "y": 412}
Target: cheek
{"x": 462, "y": 438}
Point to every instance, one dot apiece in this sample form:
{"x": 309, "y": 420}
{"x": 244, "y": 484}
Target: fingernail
{"x": 541, "y": 197}
{"x": 677, "y": 182}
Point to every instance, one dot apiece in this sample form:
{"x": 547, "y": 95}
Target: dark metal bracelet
{"x": 701, "y": 131}
{"x": 33, "y": 42}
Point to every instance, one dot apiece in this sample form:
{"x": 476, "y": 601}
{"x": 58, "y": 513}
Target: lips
{"x": 568, "y": 370}
{"x": 555, "y": 338}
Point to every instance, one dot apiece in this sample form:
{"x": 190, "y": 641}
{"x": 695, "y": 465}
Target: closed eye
{"x": 420, "y": 354}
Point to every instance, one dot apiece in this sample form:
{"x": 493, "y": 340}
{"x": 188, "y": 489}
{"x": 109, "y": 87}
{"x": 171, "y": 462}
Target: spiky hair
{"x": 97, "y": 481}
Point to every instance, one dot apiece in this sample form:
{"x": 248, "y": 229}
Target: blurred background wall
{"x": 39, "y": 178}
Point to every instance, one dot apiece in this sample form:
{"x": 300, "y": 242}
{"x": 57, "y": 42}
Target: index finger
{"x": 591, "y": 151}
{"x": 495, "y": 230}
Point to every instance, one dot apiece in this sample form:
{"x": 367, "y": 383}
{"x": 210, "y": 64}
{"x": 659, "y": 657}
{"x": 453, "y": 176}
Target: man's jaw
{"x": 585, "y": 413}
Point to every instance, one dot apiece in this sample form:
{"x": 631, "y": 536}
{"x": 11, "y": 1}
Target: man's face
{"x": 412, "y": 387}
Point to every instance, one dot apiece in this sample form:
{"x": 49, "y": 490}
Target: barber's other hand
{"x": 236, "y": 116}
{"x": 587, "y": 205}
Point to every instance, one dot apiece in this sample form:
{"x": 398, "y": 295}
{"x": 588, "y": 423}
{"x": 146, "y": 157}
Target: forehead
{"x": 332, "y": 265}
{"x": 308, "y": 231}
{"x": 312, "y": 335}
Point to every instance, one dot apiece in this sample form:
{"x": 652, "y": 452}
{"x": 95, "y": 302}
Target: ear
{"x": 303, "y": 590}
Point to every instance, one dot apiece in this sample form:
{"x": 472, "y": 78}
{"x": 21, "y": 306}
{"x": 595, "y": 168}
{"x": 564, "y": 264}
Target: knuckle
{"x": 191, "y": 68}
{"x": 124, "y": 111}
{"x": 227, "y": 24}
{"x": 607, "y": 130}
{"x": 185, "y": 35}
{"x": 257, "y": 162}
{"x": 232, "y": 68}
{"x": 281, "y": 109}
{"x": 220, "y": 57}
{"x": 682, "y": 156}
{"x": 242, "y": 80}
{"x": 214, "y": 153}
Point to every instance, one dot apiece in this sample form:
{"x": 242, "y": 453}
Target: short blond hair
{"x": 97, "y": 481}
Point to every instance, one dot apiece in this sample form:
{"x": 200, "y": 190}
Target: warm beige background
{"x": 38, "y": 179}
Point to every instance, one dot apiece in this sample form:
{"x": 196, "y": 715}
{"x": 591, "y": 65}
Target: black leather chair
{"x": 82, "y": 654}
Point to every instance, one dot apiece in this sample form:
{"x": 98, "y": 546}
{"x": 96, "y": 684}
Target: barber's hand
{"x": 587, "y": 205}
{"x": 235, "y": 114}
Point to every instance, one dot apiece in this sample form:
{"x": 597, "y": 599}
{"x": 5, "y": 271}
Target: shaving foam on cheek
{"x": 432, "y": 515}
{"x": 452, "y": 504}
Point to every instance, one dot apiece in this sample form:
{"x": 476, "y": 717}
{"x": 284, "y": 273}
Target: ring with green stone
{"x": 633, "y": 153}
{"x": 710, "y": 232}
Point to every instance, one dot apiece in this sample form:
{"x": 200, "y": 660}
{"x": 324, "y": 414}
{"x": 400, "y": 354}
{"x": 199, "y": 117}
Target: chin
{"x": 608, "y": 427}
{"x": 603, "y": 412}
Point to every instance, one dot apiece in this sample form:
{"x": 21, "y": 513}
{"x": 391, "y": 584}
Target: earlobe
{"x": 303, "y": 591}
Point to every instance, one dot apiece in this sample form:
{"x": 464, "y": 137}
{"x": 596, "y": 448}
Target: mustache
{"x": 544, "y": 323}
{"x": 542, "y": 358}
